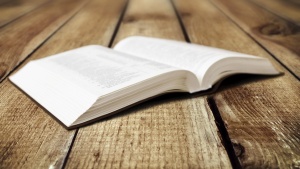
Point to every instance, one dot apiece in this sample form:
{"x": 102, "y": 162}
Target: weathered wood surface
{"x": 288, "y": 9}
{"x": 173, "y": 131}
{"x": 262, "y": 118}
{"x": 280, "y": 37}
{"x": 155, "y": 19}
{"x": 261, "y": 114}
{"x": 14, "y": 9}
{"x": 20, "y": 38}
{"x": 3, "y": 2}
{"x": 29, "y": 137}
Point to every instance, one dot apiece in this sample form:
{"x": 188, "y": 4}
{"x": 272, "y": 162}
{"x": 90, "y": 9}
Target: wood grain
{"x": 261, "y": 115}
{"x": 29, "y": 137}
{"x": 280, "y": 37}
{"x": 150, "y": 19}
{"x": 16, "y": 8}
{"x": 19, "y": 39}
{"x": 288, "y": 9}
{"x": 3, "y": 1}
{"x": 173, "y": 131}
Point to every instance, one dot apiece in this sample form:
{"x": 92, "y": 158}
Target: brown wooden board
{"x": 288, "y": 9}
{"x": 29, "y": 136}
{"x": 172, "y": 131}
{"x": 20, "y": 38}
{"x": 261, "y": 114}
{"x": 280, "y": 37}
{"x": 2, "y": 2}
{"x": 14, "y": 9}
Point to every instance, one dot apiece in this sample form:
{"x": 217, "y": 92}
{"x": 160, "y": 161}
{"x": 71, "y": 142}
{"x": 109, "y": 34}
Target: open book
{"x": 90, "y": 82}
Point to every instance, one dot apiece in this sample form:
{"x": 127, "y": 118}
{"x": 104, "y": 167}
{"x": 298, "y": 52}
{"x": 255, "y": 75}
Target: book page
{"x": 207, "y": 63}
{"x": 100, "y": 70}
{"x": 69, "y": 83}
{"x": 192, "y": 57}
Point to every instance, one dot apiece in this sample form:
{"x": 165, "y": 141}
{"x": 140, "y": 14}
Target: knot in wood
{"x": 283, "y": 28}
{"x": 185, "y": 14}
{"x": 132, "y": 18}
{"x": 129, "y": 19}
{"x": 239, "y": 150}
{"x": 272, "y": 29}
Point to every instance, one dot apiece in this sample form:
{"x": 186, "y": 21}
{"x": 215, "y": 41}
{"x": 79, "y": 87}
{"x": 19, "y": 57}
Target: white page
{"x": 69, "y": 83}
{"x": 58, "y": 95}
{"x": 98, "y": 69}
{"x": 192, "y": 57}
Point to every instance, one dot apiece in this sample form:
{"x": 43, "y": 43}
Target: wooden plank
{"x": 3, "y": 1}
{"x": 21, "y": 38}
{"x": 261, "y": 114}
{"x": 16, "y": 8}
{"x": 278, "y": 36}
{"x": 288, "y": 9}
{"x": 174, "y": 131}
{"x": 150, "y": 19}
{"x": 29, "y": 137}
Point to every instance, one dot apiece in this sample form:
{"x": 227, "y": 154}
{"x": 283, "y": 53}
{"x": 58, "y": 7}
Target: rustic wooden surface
{"x": 255, "y": 116}
{"x": 152, "y": 135}
{"x": 30, "y": 138}
{"x": 280, "y": 37}
{"x": 251, "y": 122}
{"x": 285, "y": 9}
{"x": 20, "y": 38}
{"x": 11, "y": 10}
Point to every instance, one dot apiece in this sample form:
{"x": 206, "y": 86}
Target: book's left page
{"x": 69, "y": 83}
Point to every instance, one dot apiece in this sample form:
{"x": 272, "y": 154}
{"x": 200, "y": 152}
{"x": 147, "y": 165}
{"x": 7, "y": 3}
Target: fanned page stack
{"x": 84, "y": 84}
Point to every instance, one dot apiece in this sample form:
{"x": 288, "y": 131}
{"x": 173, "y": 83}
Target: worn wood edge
{"x": 185, "y": 34}
{"x": 210, "y": 102}
{"x": 64, "y": 163}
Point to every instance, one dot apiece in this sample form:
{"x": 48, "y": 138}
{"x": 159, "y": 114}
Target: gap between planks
{"x": 42, "y": 42}
{"x": 50, "y": 18}
{"x": 21, "y": 13}
{"x": 285, "y": 9}
{"x": 214, "y": 109}
{"x": 278, "y": 35}
{"x": 223, "y": 132}
{"x": 118, "y": 25}
{"x": 110, "y": 45}
{"x": 133, "y": 24}
{"x": 254, "y": 39}
{"x": 185, "y": 34}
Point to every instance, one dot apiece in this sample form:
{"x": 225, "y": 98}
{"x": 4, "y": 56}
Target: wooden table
{"x": 250, "y": 122}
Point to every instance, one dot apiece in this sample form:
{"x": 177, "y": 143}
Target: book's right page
{"x": 207, "y": 63}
